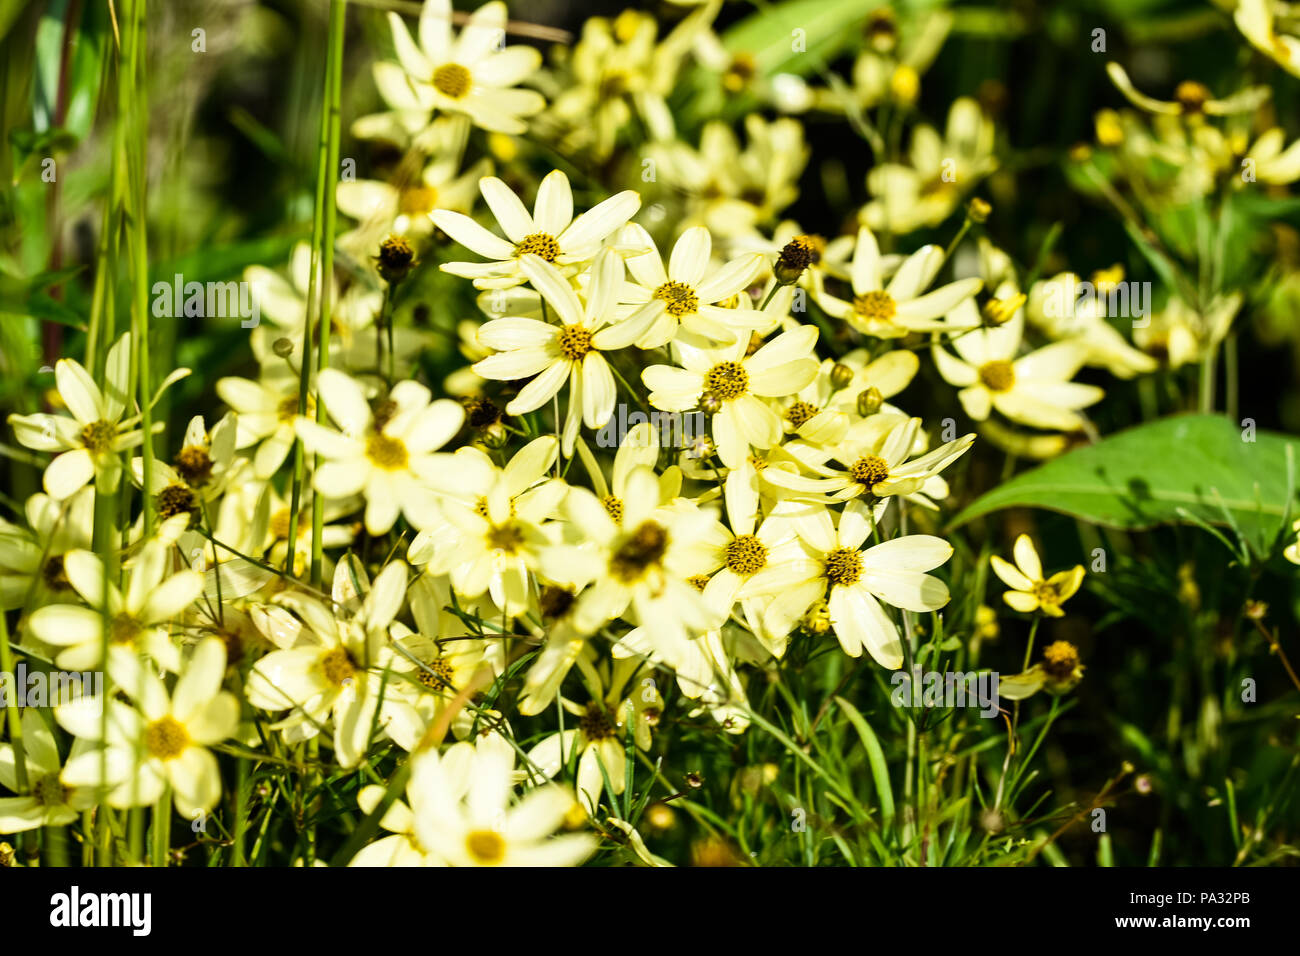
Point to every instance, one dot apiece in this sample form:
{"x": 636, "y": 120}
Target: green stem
{"x": 334, "y": 88}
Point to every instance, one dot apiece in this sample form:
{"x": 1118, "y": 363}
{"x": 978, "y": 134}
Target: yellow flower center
{"x": 48, "y": 791}
{"x": 875, "y": 306}
{"x": 418, "y": 200}
{"x": 727, "y": 380}
{"x": 278, "y": 524}
{"x": 843, "y": 566}
{"x": 597, "y": 723}
{"x": 698, "y": 581}
{"x": 166, "y": 739}
{"x": 1191, "y": 96}
{"x": 54, "y": 575}
{"x": 287, "y": 410}
{"x": 336, "y": 664}
{"x": 613, "y": 508}
{"x": 746, "y": 555}
{"x": 385, "y": 452}
{"x": 998, "y": 375}
{"x": 1060, "y": 658}
{"x": 194, "y": 464}
{"x": 869, "y": 469}
{"x": 679, "y": 298}
{"x": 538, "y": 244}
{"x": 98, "y": 436}
{"x": 574, "y": 342}
{"x": 800, "y": 412}
{"x": 1048, "y": 594}
{"x": 452, "y": 79}
{"x": 124, "y": 629}
{"x": 644, "y": 548}
{"x": 175, "y": 500}
{"x": 507, "y": 537}
{"x": 486, "y": 848}
{"x": 435, "y": 675}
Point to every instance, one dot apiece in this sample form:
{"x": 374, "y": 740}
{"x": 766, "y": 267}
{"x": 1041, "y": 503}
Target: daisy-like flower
{"x": 638, "y": 566}
{"x": 940, "y": 170}
{"x": 902, "y": 306}
{"x": 326, "y": 667}
{"x": 1054, "y": 306}
{"x": 401, "y": 847}
{"x": 137, "y": 620}
{"x": 600, "y": 739}
{"x": 1179, "y": 334}
{"x": 197, "y": 475}
{"x": 854, "y": 581}
{"x": 1058, "y": 672}
{"x": 429, "y": 666}
{"x": 1258, "y": 21}
{"x": 464, "y": 813}
{"x": 163, "y": 740}
{"x": 1191, "y": 99}
{"x": 31, "y": 561}
{"x": 1030, "y": 591}
{"x": 475, "y": 73}
{"x": 569, "y": 352}
{"x": 691, "y": 290}
{"x": 822, "y": 411}
{"x": 618, "y": 69}
{"x": 385, "y": 458}
{"x": 48, "y": 801}
{"x": 88, "y": 443}
{"x": 284, "y": 303}
{"x": 875, "y": 455}
{"x": 745, "y": 557}
{"x": 492, "y": 542}
{"x": 737, "y": 382}
{"x": 551, "y": 232}
{"x": 731, "y": 190}
{"x": 403, "y": 206}
{"x": 1034, "y": 389}
{"x": 265, "y": 411}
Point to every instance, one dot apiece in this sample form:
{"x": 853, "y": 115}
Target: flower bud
{"x": 395, "y": 259}
{"x": 796, "y": 256}
{"x": 869, "y": 401}
{"x": 978, "y": 210}
{"x": 841, "y": 376}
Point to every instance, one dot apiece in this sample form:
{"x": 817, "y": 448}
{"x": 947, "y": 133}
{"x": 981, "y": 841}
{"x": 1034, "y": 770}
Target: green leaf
{"x": 876, "y": 758}
{"x": 769, "y": 34}
{"x": 1159, "y": 473}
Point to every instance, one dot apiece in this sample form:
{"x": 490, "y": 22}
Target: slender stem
{"x": 334, "y": 88}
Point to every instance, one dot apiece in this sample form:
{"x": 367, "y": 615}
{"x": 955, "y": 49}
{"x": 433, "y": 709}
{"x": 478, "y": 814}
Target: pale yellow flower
{"x": 1030, "y": 591}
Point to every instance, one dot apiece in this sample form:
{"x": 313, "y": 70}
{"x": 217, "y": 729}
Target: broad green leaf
{"x": 1159, "y": 473}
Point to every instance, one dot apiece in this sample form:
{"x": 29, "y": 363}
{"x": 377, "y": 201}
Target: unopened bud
{"x": 796, "y": 256}
{"x": 494, "y": 437}
{"x": 710, "y": 404}
{"x": 395, "y": 259}
{"x": 282, "y": 347}
{"x": 869, "y": 401}
{"x": 978, "y": 210}
{"x": 841, "y": 376}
